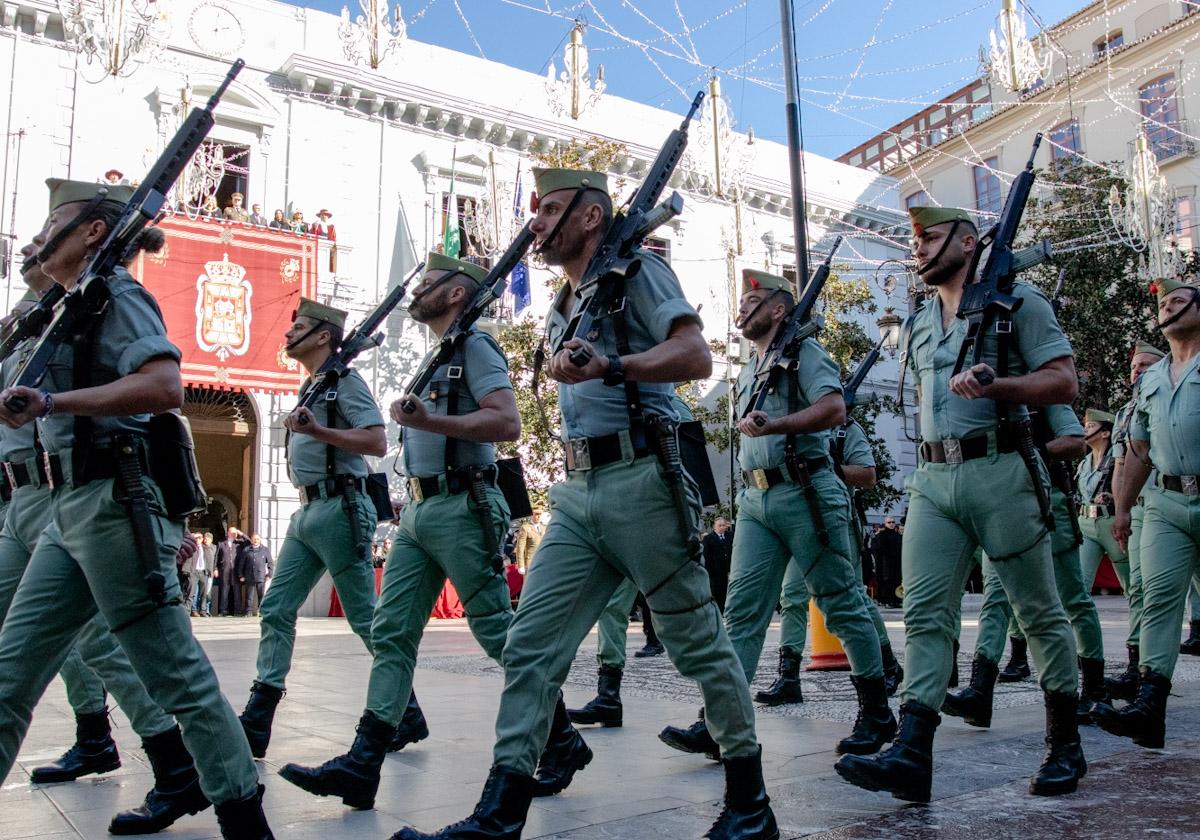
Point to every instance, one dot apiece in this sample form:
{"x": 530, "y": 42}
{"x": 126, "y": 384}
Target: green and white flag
{"x": 451, "y": 243}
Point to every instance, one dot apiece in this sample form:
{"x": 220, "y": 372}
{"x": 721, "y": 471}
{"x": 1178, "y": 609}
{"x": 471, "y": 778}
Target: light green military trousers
{"x": 606, "y": 524}
{"x": 1170, "y": 549}
{"x": 318, "y": 540}
{"x": 438, "y": 538}
{"x": 74, "y": 575}
{"x": 953, "y": 508}
{"x": 1136, "y": 592}
{"x": 613, "y": 627}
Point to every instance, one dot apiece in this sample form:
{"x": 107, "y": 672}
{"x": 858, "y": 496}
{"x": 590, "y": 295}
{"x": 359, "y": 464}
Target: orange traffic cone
{"x": 827, "y": 653}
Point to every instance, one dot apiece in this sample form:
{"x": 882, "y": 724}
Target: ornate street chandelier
{"x": 373, "y": 35}
{"x": 200, "y": 179}
{"x": 114, "y": 35}
{"x": 1014, "y": 62}
{"x": 1144, "y": 215}
{"x": 574, "y": 91}
{"x": 718, "y": 157}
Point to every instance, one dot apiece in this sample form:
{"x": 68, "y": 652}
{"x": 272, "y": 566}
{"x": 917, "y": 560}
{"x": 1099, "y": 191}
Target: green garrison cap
{"x": 1163, "y": 286}
{"x": 63, "y": 191}
{"x": 753, "y": 280}
{"x": 441, "y": 262}
{"x": 321, "y": 312}
{"x": 552, "y": 180}
{"x": 923, "y": 217}
{"x": 1095, "y": 414}
{"x": 1145, "y": 347}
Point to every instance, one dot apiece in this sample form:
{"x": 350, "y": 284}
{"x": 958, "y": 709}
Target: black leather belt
{"x": 593, "y": 452}
{"x": 1187, "y": 484}
{"x": 16, "y": 475}
{"x": 955, "y": 451}
{"x": 457, "y": 481}
{"x": 334, "y": 486}
{"x": 5, "y": 489}
{"x": 765, "y": 479}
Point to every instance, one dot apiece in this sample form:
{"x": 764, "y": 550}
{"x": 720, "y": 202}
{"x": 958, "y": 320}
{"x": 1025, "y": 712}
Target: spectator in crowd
{"x": 253, "y": 571}
{"x": 279, "y": 221}
{"x": 210, "y": 209}
{"x": 718, "y": 549}
{"x": 256, "y": 217}
{"x": 226, "y": 571}
{"x": 886, "y": 549}
{"x": 114, "y": 176}
{"x": 198, "y": 570}
{"x": 323, "y": 227}
{"x": 236, "y": 212}
{"x": 529, "y": 537}
{"x": 185, "y": 561}
{"x": 298, "y": 224}
{"x": 204, "y": 601}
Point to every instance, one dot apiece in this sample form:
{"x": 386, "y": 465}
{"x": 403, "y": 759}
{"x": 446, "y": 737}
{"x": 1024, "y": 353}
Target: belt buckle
{"x": 579, "y": 455}
{"x": 48, "y": 464}
{"x": 415, "y": 493}
{"x": 1189, "y": 485}
{"x": 12, "y": 478}
{"x": 759, "y": 477}
{"x": 952, "y": 447}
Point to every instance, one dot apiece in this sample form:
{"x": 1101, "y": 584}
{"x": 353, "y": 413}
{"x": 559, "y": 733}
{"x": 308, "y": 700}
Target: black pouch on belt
{"x": 173, "y": 464}
{"x": 510, "y": 478}
{"x": 380, "y": 495}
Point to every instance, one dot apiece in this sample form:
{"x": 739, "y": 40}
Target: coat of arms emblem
{"x": 223, "y": 309}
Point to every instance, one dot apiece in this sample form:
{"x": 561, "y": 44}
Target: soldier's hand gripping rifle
{"x": 89, "y": 297}
{"x": 613, "y": 262}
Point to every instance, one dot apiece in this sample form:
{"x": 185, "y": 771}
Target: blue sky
{"x": 864, "y": 64}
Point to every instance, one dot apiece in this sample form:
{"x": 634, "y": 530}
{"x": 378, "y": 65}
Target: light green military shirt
{"x": 1168, "y": 416}
{"x": 355, "y": 409}
{"x": 131, "y": 334}
{"x": 855, "y": 448}
{"x": 484, "y": 371}
{"x": 817, "y": 376}
{"x": 16, "y": 445}
{"x": 1121, "y": 425}
{"x": 932, "y": 353}
{"x": 1089, "y": 477}
{"x": 654, "y": 302}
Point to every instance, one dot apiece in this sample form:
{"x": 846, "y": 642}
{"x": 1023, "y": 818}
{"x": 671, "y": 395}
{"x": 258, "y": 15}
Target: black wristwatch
{"x": 615, "y": 375}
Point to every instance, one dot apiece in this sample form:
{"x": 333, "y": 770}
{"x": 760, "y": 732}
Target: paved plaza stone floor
{"x": 636, "y": 787}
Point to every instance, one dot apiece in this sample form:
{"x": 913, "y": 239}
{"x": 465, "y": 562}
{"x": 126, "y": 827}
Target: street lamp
{"x": 1014, "y": 61}
{"x": 889, "y": 329}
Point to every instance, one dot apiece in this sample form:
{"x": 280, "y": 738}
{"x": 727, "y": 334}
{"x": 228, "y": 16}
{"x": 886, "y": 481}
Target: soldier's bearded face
{"x": 754, "y": 316}
{"x": 925, "y": 249}
{"x": 431, "y": 305}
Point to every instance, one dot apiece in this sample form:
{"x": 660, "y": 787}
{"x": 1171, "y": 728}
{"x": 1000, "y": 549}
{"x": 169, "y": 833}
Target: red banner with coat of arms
{"x": 227, "y": 293}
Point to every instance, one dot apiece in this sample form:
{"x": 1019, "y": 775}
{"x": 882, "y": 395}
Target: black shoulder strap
{"x": 455, "y": 372}
{"x": 633, "y": 397}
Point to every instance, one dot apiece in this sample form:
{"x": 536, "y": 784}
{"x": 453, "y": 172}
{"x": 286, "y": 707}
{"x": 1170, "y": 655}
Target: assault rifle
{"x": 796, "y": 326}
{"x": 602, "y": 284}
{"x": 850, "y": 389}
{"x": 362, "y": 337}
{"x": 1056, "y": 301}
{"x": 31, "y": 323}
{"x": 89, "y": 297}
{"x": 490, "y": 290}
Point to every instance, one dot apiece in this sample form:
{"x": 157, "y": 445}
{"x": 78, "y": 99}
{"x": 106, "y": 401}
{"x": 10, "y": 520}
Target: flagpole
{"x": 795, "y": 146}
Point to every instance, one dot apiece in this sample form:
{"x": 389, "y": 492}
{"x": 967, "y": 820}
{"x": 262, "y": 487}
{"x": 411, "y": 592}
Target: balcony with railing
{"x": 1168, "y": 140}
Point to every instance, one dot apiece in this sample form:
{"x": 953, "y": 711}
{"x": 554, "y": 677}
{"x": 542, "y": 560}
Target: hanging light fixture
{"x": 1144, "y": 216}
{"x": 574, "y": 91}
{"x": 202, "y": 176}
{"x": 718, "y": 157}
{"x": 1014, "y": 61}
{"x": 114, "y": 36}
{"x": 374, "y": 35}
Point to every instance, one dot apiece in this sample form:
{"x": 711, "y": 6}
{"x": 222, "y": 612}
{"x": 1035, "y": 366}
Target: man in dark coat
{"x": 229, "y": 598}
{"x": 718, "y": 549}
{"x": 886, "y": 549}
{"x": 254, "y": 568}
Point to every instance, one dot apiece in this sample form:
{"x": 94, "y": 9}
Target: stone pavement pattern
{"x": 635, "y": 787}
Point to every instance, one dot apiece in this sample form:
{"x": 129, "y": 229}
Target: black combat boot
{"x": 566, "y": 753}
{"x": 1191, "y": 645}
{"x": 747, "y": 813}
{"x": 786, "y": 688}
{"x": 1091, "y": 688}
{"x": 953, "y": 682}
{"x": 176, "y": 790}
{"x": 974, "y": 703}
{"x": 893, "y": 674}
{"x": 412, "y": 726}
{"x": 875, "y": 724}
{"x": 353, "y": 776}
{"x": 1017, "y": 668}
{"x": 257, "y": 717}
{"x": 243, "y": 819}
{"x": 1145, "y": 719}
{"x": 1124, "y": 686}
{"x": 905, "y": 769}
{"x": 605, "y": 708}
{"x": 500, "y": 814}
{"x": 1064, "y": 765}
{"x": 94, "y": 751}
{"x": 693, "y": 739}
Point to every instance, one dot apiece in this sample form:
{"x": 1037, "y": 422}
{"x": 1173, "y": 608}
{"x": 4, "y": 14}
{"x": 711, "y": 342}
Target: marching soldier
{"x": 93, "y": 421}
{"x": 1124, "y": 685}
{"x": 332, "y": 530}
{"x": 1094, "y": 484}
{"x": 854, "y": 462}
{"x": 1164, "y": 431}
{"x": 614, "y": 494}
{"x": 795, "y": 506}
{"x": 973, "y": 488}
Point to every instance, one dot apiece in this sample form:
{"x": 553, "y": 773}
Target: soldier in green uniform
{"x": 973, "y": 489}
{"x": 854, "y": 462}
{"x": 1164, "y": 431}
{"x": 332, "y": 530}
{"x": 614, "y": 495}
{"x": 794, "y": 506}
{"x": 93, "y": 408}
{"x": 1060, "y": 438}
{"x": 1096, "y": 508}
{"x": 448, "y": 441}
{"x": 1124, "y": 685}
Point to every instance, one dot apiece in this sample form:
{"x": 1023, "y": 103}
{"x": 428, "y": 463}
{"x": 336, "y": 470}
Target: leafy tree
{"x": 539, "y": 447}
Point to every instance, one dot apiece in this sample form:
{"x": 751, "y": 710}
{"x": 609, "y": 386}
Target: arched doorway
{"x": 225, "y": 428}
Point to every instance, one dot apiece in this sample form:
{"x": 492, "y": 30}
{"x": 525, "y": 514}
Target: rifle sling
{"x": 795, "y": 468}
